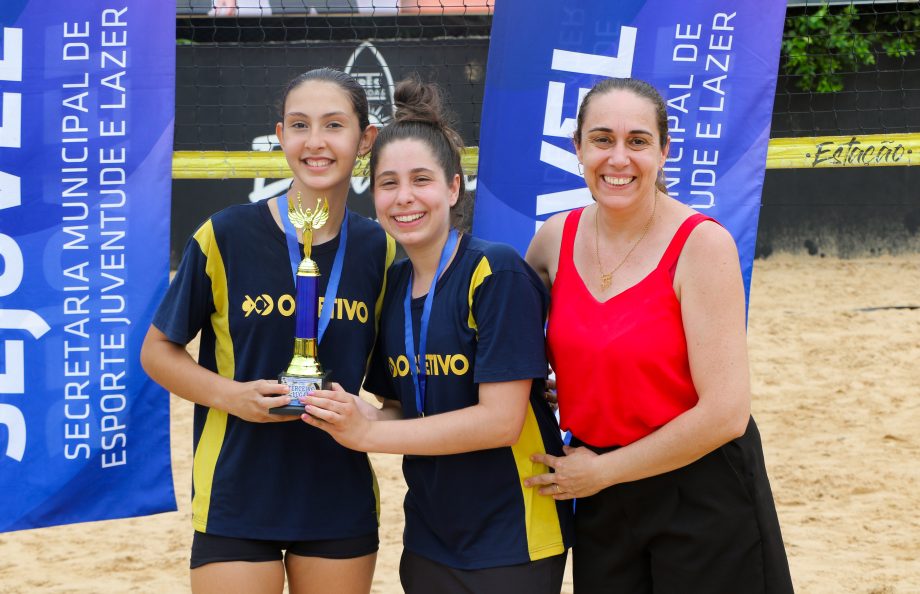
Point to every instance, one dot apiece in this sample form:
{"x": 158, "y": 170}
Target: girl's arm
{"x": 388, "y": 409}
{"x": 496, "y": 421}
{"x": 170, "y": 365}
{"x": 711, "y": 293}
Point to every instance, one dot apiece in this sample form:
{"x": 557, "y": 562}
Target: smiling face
{"x": 321, "y": 137}
{"x": 412, "y": 195}
{"x": 621, "y": 148}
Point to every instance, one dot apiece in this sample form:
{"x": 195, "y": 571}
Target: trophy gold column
{"x": 305, "y": 373}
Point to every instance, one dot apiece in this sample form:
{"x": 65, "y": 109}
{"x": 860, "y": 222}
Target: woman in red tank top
{"x": 647, "y": 337}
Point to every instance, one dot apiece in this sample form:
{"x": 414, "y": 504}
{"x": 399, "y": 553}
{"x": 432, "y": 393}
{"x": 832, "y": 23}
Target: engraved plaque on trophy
{"x": 305, "y": 373}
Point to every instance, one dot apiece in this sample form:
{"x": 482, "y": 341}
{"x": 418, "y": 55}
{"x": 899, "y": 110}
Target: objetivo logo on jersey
{"x": 435, "y": 364}
{"x": 265, "y": 305}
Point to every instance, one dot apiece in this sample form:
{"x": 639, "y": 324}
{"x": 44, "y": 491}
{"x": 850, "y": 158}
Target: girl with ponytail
{"x": 276, "y": 501}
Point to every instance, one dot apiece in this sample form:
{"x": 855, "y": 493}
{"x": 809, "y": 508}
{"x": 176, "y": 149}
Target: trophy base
{"x": 300, "y": 386}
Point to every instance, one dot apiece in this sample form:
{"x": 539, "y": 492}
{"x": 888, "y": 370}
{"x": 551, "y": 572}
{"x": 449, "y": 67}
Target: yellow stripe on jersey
{"x": 376, "y": 486}
{"x": 215, "y": 426}
{"x": 483, "y": 269}
{"x": 378, "y": 307}
{"x": 544, "y": 535}
{"x": 390, "y": 256}
{"x": 212, "y": 438}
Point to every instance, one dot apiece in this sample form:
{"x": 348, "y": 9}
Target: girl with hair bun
{"x": 460, "y": 363}
{"x": 272, "y": 499}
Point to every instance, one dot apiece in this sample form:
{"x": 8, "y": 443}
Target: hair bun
{"x": 422, "y": 102}
{"x": 417, "y": 101}
{"x": 420, "y": 115}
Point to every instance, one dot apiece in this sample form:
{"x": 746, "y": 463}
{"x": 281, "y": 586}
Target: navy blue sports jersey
{"x": 278, "y": 481}
{"x": 471, "y": 510}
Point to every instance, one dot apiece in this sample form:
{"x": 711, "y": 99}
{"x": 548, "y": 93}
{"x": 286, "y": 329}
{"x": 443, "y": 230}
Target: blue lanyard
{"x": 420, "y": 378}
{"x": 332, "y": 287}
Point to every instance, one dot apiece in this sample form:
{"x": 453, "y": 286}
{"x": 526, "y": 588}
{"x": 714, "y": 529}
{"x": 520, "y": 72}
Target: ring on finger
{"x": 558, "y": 490}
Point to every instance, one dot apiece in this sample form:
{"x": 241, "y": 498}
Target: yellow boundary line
{"x": 249, "y": 164}
{"x": 870, "y": 150}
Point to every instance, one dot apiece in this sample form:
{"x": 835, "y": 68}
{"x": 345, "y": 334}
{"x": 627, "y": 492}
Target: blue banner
{"x": 714, "y": 62}
{"x": 85, "y": 154}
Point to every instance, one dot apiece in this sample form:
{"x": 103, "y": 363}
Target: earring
{"x": 581, "y": 169}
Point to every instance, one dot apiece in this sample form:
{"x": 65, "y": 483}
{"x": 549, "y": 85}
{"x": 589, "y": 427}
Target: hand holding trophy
{"x": 304, "y": 373}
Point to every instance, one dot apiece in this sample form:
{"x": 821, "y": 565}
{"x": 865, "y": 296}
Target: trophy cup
{"x": 304, "y": 373}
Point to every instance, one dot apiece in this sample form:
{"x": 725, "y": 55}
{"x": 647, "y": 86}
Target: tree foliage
{"x": 820, "y": 47}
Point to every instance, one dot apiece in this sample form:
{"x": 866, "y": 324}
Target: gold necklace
{"x": 607, "y": 277}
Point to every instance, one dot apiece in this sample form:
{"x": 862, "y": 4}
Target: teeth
{"x": 409, "y": 218}
{"x": 617, "y": 181}
{"x": 317, "y": 162}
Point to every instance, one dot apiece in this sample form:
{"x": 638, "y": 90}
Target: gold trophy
{"x": 304, "y": 373}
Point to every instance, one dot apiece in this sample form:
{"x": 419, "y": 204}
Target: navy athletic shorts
{"x": 210, "y": 548}
{"x": 424, "y": 576}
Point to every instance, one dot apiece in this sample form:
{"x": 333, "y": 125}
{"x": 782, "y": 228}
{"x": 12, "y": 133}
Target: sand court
{"x": 835, "y": 359}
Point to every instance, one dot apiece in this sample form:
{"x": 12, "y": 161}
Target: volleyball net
{"x": 848, "y": 90}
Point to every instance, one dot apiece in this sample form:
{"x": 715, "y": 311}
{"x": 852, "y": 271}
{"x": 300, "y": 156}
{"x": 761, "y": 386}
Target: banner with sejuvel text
{"x": 87, "y": 91}
{"x": 714, "y": 62}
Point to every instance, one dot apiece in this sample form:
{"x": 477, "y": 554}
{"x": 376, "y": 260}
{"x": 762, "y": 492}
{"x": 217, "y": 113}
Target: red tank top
{"x": 621, "y": 365}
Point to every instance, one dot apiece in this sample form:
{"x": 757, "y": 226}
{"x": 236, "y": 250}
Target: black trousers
{"x": 708, "y": 528}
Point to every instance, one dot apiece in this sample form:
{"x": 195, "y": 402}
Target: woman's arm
{"x": 711, "y": 293}
{"x": 170, "y": 365}
{"x": 543, "y": 251}
{"x": 495, "y": 421}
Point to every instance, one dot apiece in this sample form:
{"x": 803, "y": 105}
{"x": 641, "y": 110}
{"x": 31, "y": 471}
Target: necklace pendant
{"x": 606, "y": 279}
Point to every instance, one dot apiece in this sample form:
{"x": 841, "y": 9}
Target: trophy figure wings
{"x": 308, "y": 220}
